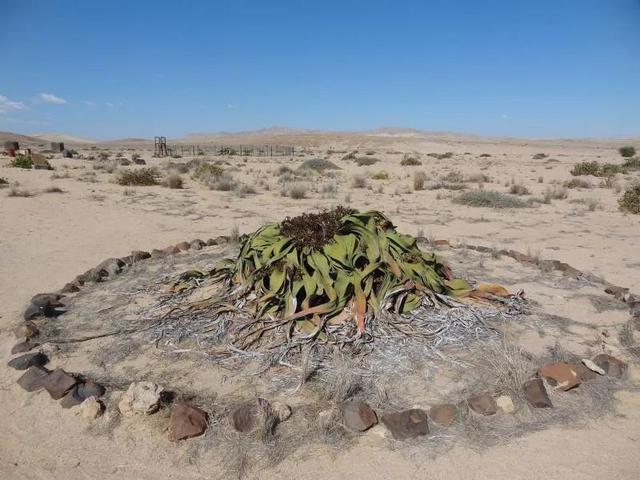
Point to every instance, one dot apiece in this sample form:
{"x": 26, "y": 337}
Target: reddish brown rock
{"x": 560, "y": 375}
{"x": 186, "y": 422}
{"x": 70, "y": 287}
{"x": 172, "y": 250}
{"x": 611, "y": 365}
{"x": 58, "y": 383}
{"x": 139, "y": 255}
{"x": 33, "y": 379}
{"x": 536, "y": 393}
{"x": 584, "y": 374}
{"x": 443, "y": 415}
{"x": 47, "y": 300}
{"x": 183, "y": 246}
{"x": 26, "y": 330}
{"x": 358, "y": 415}
{"x": 155, "y": 253}
{"x": 406, "y": 424}
{"x": 483, "y": 403}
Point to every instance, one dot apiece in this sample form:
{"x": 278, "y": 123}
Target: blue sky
{"x": 108, "y": 69}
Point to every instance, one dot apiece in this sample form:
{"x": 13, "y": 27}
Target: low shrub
{"x": 4, "y": 181}
{"x": 577, "y": 183}
{"x": 350, "y": 156}
{"x": 318, "y": 165}
{"x": 359, "y": 181}
{"x": 440, "y": 156}
{"x": 540, "y": 156}
{"x": 174, "y": 181}
{"x": 596, "y": 169}
{"x": 141, "y": 177}
{"x": 555, "y": 193}
{"x": 366, "y": 161}
{"x": 490, "y": 199}
{"x": 627, "y": 151}
{"x": 381, "y": 175}
{"x": 630, "y": 200}
{"x": 632, "y": 163}
{"x": 297, "y": 191}
{"x": 410, "y": 161}
{"x": 518, "y": 189}
{"x": 419, "y": 179}
{"x": 205, "y": 172}
{"x": 21, "y": 161}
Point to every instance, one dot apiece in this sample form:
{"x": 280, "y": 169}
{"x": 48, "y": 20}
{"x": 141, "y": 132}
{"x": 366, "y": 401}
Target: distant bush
{"x": 366, "y": 161}
{"x": 555, "y": 193}
{"x": 359, "y": 181}
{"x": 297, "y": 191}
{"x": 419, "y": 179}
{"x": 490, "y": 199}
{"x": 206, "y": 173}
{"x": 21, "y": 161}
{"x": 140, "y": 177}
{"x": 381, "y": 175}
{"x": 632, "y": 163}
{"x": 540, "y": 156}
{"x": 410, "y": 161}
{"x": 223, "y": 183}
{"x": 577, "y": 183}
{"x": 350, "y": 156}
{"x": 596, "y": 169}
{"x": 4, "y": 181}
{"x": 519, "y": 189}
{"x": 627, "y": 151}
{"x": 630, "y": 200}
{"x": 441, "y": 156}
{"x": 173, "y": 181}
{"x": 318, "y": 164}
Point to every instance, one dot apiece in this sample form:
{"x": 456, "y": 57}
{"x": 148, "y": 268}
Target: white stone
{"x": 140, "y": 398}
{"x": 91, "y": 408}
{"x": 506, "y": 404}
{"x": 592, "y": 366}
{"x": 281, "y": 410}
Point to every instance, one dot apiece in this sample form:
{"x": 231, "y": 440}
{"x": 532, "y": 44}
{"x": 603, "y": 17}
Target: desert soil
{"x": 48, "y": 238}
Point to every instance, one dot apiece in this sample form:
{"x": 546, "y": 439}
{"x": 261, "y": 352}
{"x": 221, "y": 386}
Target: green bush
{"x": 206, "y": 172}
{"x": 597, "y": 170}
{"x": 21, "y": 161}
{"x": 630, "y": 200}
{"x": 627, "y": 151}
{"x": 140, "y": 177}
{"x": 381, "y": 175}
{"x": 487, "y": 198}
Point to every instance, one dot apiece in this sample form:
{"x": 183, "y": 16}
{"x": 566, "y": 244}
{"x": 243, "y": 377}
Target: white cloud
{"x": 231, "y": 106}
{"x": 109, "y": 104}
{"x": 51, "y": 98}
{"x": 89, "y": 103}
{"x": 505, "y": 116}
{"x": 7, "y": 105}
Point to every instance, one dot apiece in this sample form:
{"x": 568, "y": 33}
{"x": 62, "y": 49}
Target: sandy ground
{"x": 49, "y": 238}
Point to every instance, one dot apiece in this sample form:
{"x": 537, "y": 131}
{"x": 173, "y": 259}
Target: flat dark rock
{"x": 24, "y": 346}
{"x": 89, "y": 388}
{"x": 611, "y": 365}
{"x": 71, "y": 399}
{"x": 443, "y": 415}
{"x": 58, "y": 383}
{"x": 483, "y": 403}
{"x": 536, "y": 393}
{"x": 407, "y": 424}
{"x": 33, "y": 379}
{"x": 37, "y": 359}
